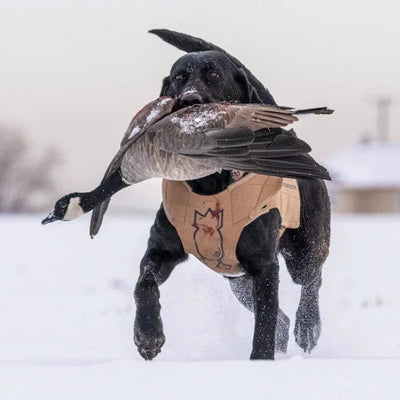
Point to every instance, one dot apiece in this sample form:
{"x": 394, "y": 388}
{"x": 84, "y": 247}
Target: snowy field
{"x": 67, "y": 309}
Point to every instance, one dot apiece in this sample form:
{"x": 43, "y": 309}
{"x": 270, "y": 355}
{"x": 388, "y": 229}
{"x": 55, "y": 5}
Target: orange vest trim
{"x": 210, "y": 226}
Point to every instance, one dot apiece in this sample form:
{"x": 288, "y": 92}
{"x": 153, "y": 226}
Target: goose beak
{"x": 50, "y": 218}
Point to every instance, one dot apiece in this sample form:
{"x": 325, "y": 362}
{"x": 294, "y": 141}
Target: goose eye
{"x": 213, "y": 74}
{"x": 63, "y": 203}
{"x": 179, "y": 77}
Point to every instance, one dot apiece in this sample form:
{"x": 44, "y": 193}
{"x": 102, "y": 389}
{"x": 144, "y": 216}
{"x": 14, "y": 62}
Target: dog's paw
{"x": 151, "y": 348}
{"x": 149, "y": 339}
{"x": 307, "y": 329}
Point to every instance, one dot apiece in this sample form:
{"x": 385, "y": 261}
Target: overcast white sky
{"x": 73, "y": 73}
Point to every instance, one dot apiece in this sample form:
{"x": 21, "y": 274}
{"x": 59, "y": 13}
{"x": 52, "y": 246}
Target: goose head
{"x": 67, "y": 208}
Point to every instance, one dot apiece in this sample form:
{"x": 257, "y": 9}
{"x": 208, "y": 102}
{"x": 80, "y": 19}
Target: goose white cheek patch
{"x": 74, "y": 209}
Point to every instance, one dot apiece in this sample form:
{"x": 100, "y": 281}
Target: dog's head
{"x": 207, "y": 77}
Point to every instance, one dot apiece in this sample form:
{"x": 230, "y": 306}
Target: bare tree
{"x": 24, "y": 181}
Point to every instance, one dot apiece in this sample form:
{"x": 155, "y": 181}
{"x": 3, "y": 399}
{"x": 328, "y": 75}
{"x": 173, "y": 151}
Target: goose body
{"x": 195, "y": 142}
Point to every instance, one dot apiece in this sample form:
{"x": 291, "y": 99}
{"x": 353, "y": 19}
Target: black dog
{"x": 208, "y": 74}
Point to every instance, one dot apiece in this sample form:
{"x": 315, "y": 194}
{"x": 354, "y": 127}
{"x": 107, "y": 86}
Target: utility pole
{"x": 382, "y": 118}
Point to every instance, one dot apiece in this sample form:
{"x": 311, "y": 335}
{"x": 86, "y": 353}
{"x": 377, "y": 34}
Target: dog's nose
{"x": 191, "y": 98}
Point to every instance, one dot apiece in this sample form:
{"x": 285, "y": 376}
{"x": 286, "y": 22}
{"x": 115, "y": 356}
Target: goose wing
{"x": 203, "y": 127}
{"x": 200, "y": 128}
{"x": 257, "y": 116}
{"x": 278, "y": 153}
{"x": 244, "y": 137}
{"x": 271, "y": 152}
{"x": 294, "y": 166}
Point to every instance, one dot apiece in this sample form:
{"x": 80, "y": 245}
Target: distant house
{"x": 366, "y": 178}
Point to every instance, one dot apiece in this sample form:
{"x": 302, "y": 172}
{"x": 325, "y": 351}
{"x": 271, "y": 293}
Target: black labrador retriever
{"x": 208, "y": 74}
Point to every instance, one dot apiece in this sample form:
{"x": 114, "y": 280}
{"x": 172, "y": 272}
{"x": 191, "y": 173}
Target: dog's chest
{"x": 210, "y": 226}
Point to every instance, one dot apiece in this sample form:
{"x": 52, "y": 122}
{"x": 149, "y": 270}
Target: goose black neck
{"x": 104, "y": 191}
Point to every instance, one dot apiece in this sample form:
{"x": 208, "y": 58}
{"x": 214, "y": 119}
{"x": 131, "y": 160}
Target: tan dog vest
{"x": 210, "y": 226}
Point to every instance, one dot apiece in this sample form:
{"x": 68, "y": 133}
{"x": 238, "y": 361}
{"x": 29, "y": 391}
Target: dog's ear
{"x": 249, "y": 92}
{"x": 165, "y": 86}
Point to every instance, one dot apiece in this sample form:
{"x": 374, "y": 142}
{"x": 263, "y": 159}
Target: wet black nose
{"x": 190, "y": 99}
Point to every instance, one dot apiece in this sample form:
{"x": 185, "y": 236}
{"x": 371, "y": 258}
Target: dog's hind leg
{"x": 164, "y": 252}
{"x": 242, "y": 287}
{"x": 304, "y": 263}
{"x": 306, "y": 271}
{"x": 308, "y": 322}
{"x": 305, "y": 249}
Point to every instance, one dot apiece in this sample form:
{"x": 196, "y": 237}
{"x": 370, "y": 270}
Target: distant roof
{"x": 366, "y": 165}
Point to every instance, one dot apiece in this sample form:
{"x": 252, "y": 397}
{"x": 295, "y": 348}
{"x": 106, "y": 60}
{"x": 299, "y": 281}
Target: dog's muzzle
{"x": 191, "y": 98}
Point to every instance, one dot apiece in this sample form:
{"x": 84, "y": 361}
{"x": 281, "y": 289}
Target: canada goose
{"x": 194, "y": 142}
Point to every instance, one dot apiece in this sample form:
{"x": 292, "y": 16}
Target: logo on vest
{"x": 208, "y": 237}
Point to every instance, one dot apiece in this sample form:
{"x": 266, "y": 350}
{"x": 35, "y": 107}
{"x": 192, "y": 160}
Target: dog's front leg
{"x": 148, "y": 329}
{"x": 164, "y": 252}
{"x": 265, "y": 300}
{"x": 257, "y": 253}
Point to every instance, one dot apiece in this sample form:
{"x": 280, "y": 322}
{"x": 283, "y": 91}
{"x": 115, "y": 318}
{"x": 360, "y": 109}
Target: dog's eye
{"x": 213, "y": 74}
{"x": 179, "y": 77}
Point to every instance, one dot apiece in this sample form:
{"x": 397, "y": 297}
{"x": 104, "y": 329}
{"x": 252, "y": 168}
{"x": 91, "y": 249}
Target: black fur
{"x": 304, "y": 249}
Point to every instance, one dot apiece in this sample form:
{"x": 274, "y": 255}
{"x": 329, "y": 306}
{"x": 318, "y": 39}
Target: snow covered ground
{"x": 66, "y": 312}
